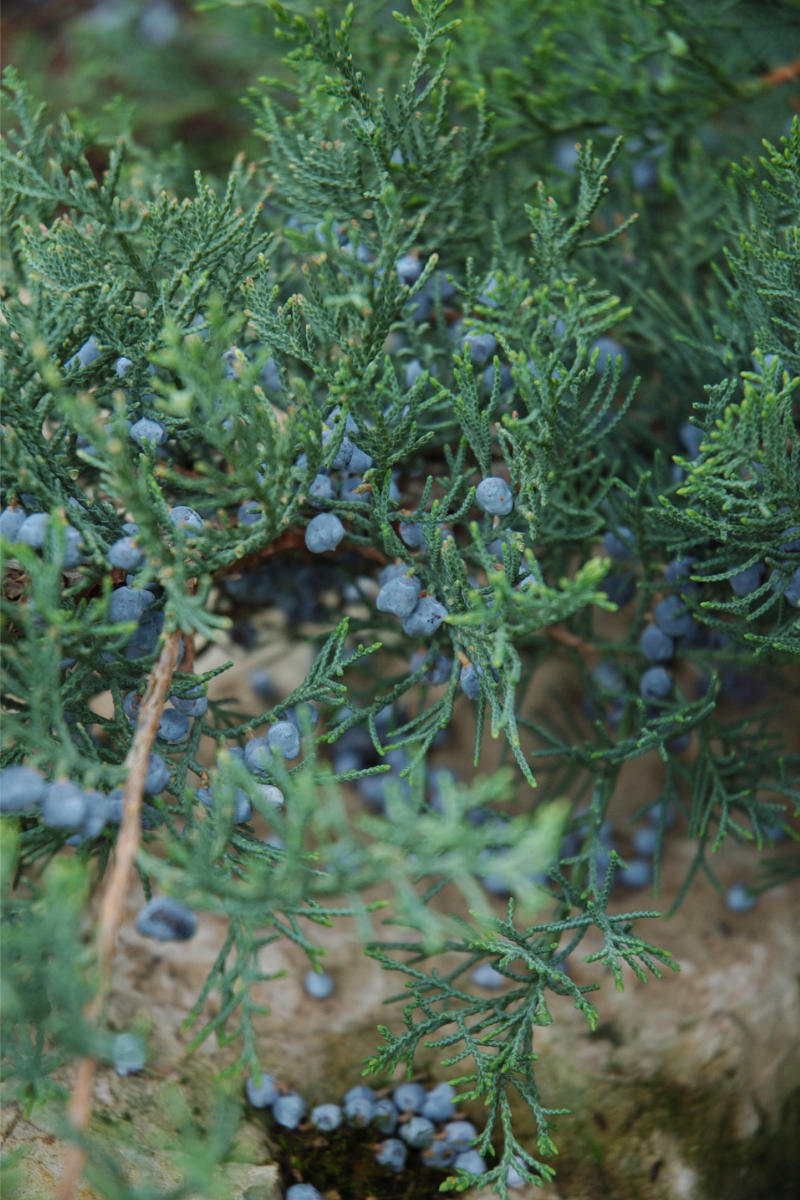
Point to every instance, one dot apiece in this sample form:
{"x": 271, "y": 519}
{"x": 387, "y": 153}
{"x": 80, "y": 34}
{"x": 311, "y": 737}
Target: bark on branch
{"x": 113, "y": 903}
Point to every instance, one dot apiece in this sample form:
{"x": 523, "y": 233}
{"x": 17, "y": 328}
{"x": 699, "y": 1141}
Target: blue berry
{"x": 361, "y": 1091}
{"x": 243, "y": 808}
{"x": 129, "y": 1054}
{"x": 349, "y": 490}
{"x": 620, "y": 589}
{"x": 470, "y": 1161}
{"x": 439, "y": 1103}
{"x": 271, "y": 795}
{"x": 385, "y": 1119}
{"x": 123, "y": 365}
{"x": 63, "y": 806}
{"x": 506, "y": 378}
{"x": 258, "y": 756}
{"x": 673, "y": 617}
{"x": 412, "y": 535}
{"x": 747, "y": 581}
{"x": 486, "y": 976}
{"x": 359, "y": 1111}
{"x": 322, "y": 489}
{"x": 409, "y": 1097}
{"x": 303, "y": 1191}
{"x": 174, "y": 726}
{"x": 323, "y": 533}
{"x": 399, "y": 596}
{"x": 158, "y": 775}
{"x": 249, "y": 513}
{"x": 147, "y": 432}
{"x": 302, "y": 712}
{"x": 409, "y": 269}
{"x": 739, "y": 900}
{"x": 425, "y": 619}
{"x": 125, "y": 555}
{"x": 471, "y": 682}
{"x": 186, "y": 518}
{"x": 270, "y": 375}
{"x": 460, "y": 1134}
{"x": 620, "y": 544}
{"x": 513, "y": 1177}
{"x": 326, "y": 1117}
{"x": 392, "y": 571}
{"x": 656, "y": 645}
{"x": 193, "y": 705}
{"x": 262, "y": 1094}
{"x": 21, "y": 789}
{"x": 607, "y": 349}
{"x": 319, "y": 985}
{"x": 87, "y": 354}
{"x": 166, "y": 920}
{"x": 439, "y": 1156}
{"x": 413, "y": 371}
{"x": 637, "y": 874}
{"x": 262, "y": 684}
{"x": 691, "y": 439}
{"x": 418, "y": 1132}
{"x": 94, "y": 822}
{"x": 679, "y": 744}
{"x": 494, "y": 496}
{"x": 391, "y": 1154}
{"x": 11, "y": 521}
{"x": 608, "y": 679}
{"x": 32, "y": 530}
{"x": 655, "y": 684}
{"x": 289, "y": 1110}
{"x": 679, "y": 568}
{"x": 482, "y": 346}
{"x": 285, "y": 738}
{"x": 644, "y": 841}
{"x": 343, "y": 455}
{"x": 792, "y": 590}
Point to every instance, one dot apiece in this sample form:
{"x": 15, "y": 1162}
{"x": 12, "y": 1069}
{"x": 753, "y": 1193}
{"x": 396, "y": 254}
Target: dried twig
{"x": 568, "y": 639}
{"x": 113, "y": 903}
{"x": 783, "y": 74}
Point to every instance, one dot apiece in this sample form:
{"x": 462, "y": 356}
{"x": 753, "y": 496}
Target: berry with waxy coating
{"x": 418, "y": 1132}
{"x": 385, "y": 1119}
{"x": 249, "y": 513}
{"x": 243, "y": 808}
{"x": 391, "y": 1154}
{"x": 679, "y": 568}
{"x": 460, "y": 1134}
{"x": 323, "y": 533}
{"x": 258, "y": 756}
{"x": 359, "y": 1111}
{"x": 409, "y": 1097}
{"x": 412, "y": 535}
{"x": 158, "y": 775}
{"x": 481, "y": 345}
{"x": 439, "y": 1156}
{"x": 399, "y": 596}
{"x": 63, "y": 806}
{"x": 673, "y": 617}
{"x": 32, "y": 530}
{"x": 303, "y": 1191}
{"x": 494, "y": 496}
{"x": 322, "y": 489}
{"x": 264, "y": 1093}
{"x": 655, "y": 684}
{"x": 470, "y": 1160}
{"x": 193, "y": 705}
{"x": 269, "y": 794}
{"x": 284, "y": 737}
{"x": 94, "y": 822}
{"x": 361, "y": 1091}
{"x": 128, "y": 604}
{"x": 326, "y": 1117}
{"x": 318, "y": 984}
{"x": 791, "y": 592}
{"x": 637, "y": 874}
{"x": 645, "y": 840}
{"x": 607, "y": 349}
{"x": 289, "y": 1110}
{"x": 301, "y": 712}
{"x": 11, "y": 521}
{"x": 691, "y": 439}
{"x": 166, "y": 920}
{"x": 743, "y": 583}
{"x": 148, "y": 432}
{"x": 656, "y": 645}
{"x": 343, "y": 455}
{"x": 739, "y": 900}
{"x": 174, "y": 727}
{"x": 619, "y": 543}
{"x": 186, "y": 518}
{"x": 487, "y": 976}
{"x": 425, "y": 619}
{"x": 87, "y": 354}
{"x": 122, "y": 365}
{"x": 409, "y": 269}
{"x": 21, "y": 789}
{"x": 470, "y": 681}
{"x": 129, "y": 1054}
{"x": 439, "y": 1103}
{"x": 125, "y": 555}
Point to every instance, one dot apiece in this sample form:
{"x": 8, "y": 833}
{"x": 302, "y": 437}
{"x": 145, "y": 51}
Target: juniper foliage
{"x": 268, "y": 329}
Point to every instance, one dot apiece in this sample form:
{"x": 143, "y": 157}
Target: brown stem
{"x": 783, "y": 74}
{"x": 568, "y": 639}
{"x": 113, "y": 903}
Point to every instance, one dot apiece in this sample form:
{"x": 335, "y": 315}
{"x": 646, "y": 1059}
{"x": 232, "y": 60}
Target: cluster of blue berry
{"x": 408, "y": 1119}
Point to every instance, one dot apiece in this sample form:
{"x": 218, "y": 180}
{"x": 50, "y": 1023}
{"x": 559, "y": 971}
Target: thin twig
{"x": 113, "y": 903}
{"x": 783, "y": 74}
{"x": 568, "y": 639}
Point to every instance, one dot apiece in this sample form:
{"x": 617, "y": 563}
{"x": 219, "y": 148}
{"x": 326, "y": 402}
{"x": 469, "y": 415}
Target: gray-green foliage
{"x": 292, "y": 262}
